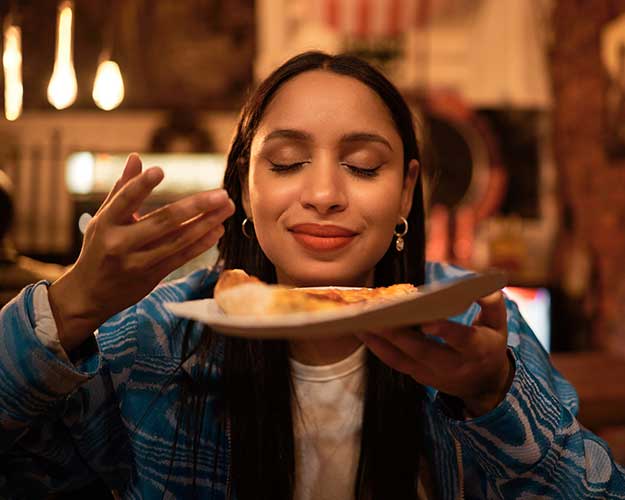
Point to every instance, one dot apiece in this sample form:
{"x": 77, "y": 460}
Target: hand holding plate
{"x": 472, "y": 363}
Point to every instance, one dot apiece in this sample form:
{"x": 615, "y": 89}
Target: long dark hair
{"x": 257, "y": 392}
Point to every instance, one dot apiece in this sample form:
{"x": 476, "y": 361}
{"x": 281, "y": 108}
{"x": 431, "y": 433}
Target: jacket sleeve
{"x": 531, "y": 445}
{"x": 59, "y": 422}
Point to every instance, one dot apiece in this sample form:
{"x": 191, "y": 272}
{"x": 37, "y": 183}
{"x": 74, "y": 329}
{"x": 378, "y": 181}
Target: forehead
{"x": 325, "y": 102}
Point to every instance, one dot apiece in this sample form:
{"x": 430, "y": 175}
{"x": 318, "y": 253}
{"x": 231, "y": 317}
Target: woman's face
{"x": 326, "y": 185}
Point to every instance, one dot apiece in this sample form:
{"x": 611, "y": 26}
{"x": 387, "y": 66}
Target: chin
{"x": 327, "y": 274}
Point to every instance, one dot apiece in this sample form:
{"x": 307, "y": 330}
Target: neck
{"x": 318, "y": 352}
{"x": 365, "y": 280}
{"x": 323, "y": 351}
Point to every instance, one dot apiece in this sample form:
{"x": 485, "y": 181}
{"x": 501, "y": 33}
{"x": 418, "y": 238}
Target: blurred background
{"x": 520, "y": 104}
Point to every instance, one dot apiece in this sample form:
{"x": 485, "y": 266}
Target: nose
{"x": 323, "y": 187}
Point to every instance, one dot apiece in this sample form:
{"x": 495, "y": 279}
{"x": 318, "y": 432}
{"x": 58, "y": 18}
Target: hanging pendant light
{"x": 108, "y": 86}
{"x": 12, "y": 63}
{"x": 62, "y": 88}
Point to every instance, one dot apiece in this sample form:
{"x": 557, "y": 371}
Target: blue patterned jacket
{"x": 111, "y": 415}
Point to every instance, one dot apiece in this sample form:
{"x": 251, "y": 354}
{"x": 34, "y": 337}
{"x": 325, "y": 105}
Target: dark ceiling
{"x": 192, "y": 53}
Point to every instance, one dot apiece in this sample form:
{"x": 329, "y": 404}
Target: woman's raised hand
{"x": 124, "y": 256}
{"x": 472, "y": 364}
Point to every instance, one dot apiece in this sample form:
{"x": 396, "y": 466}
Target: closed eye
{"x": 363, "y": 172}
{"x": 292, "y": 167}
{"x": 286, "y": 167}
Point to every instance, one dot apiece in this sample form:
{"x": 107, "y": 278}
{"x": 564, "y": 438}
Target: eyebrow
{"x": 288, "y": 133}
{"x": 366, "y": 137}
{"x": 300, "y": 135}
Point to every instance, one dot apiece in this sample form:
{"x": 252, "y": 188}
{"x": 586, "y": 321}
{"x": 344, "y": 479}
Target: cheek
{"x": 269, "y": 200}
{"x": 381, "y": 207}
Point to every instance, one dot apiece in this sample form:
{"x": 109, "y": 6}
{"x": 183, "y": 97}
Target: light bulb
{"x": 62, "y": 88}
{"x": 108, "y": 87}
{"x": 12, "y": 62}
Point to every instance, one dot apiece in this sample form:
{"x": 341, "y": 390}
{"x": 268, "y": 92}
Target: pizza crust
{"x": 237, "y": 293}
{"x": 233, "y": 277}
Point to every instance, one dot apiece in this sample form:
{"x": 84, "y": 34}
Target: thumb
{"x": 493, "y": 312}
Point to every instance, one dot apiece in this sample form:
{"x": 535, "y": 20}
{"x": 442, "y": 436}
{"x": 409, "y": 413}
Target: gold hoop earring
{"x": 399, "y": 243}
{"x": 244, "y": 228}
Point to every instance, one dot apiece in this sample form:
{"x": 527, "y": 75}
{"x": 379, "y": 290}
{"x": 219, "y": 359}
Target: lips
{"x": 320, "y": 237}
{"x": 327, "y": 231}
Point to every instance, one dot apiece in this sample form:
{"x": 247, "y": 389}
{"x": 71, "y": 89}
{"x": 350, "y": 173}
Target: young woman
{"x": 323, "y": 186}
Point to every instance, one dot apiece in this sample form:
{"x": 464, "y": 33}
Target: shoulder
{"x": 197, "y": 285}
{"x": 441, "y": 272}
{"x": 149, "y": 324}
{"x": 436, "y": 272}
{"x": 151, "y": 312}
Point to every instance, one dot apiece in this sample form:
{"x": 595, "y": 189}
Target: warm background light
{"x": 63, "y": 88}
{"x": 108, "y": 87}
{"x": 12, "y": 62}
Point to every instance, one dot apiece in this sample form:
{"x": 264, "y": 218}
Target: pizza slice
{"x": 367, "y": 295}
{"x": 238, "y": 293}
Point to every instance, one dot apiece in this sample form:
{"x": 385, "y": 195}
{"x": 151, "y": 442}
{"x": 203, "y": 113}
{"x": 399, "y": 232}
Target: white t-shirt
{"x": 327, "y": 421}
{"x": 327, "y": 424}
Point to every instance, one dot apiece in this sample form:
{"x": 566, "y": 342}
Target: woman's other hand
{"x": 472, "y": 364}
{"x": 123, "y": 256}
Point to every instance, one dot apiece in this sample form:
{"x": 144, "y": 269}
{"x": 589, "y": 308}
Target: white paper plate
{"x": 430, "y": 303}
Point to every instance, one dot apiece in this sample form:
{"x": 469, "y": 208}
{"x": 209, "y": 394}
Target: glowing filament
{"x": 62, "y": 87}
{"x": 12, "y": 62}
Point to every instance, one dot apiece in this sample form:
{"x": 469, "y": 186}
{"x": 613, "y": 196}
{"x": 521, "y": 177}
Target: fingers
{"x": 173, "y": 262}
{"x": 130, "y": 197}
{"x": 420, "y": 350}
{"x": 493, "y": 312}
{"x": 458, "y": 336}
{"x": 181, "y": 239}
{"x": 399, "y": 360}
{"x": 388, "y": 353}
{"x": 418, "y": 346}
{"x": 211, "y": 208}
{"x": 131, "y": 170}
